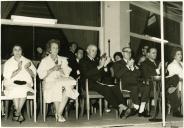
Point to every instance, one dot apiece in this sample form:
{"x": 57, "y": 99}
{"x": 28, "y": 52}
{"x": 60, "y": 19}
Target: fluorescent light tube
{"x": 26, "y": 19}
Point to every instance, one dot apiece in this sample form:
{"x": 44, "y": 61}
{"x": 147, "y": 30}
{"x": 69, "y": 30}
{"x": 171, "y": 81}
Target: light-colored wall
{"x": 181, "y": 33}
{"x": 116, "y": 25}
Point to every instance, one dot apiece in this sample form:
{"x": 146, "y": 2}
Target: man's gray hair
{"x": 90, "y": 46}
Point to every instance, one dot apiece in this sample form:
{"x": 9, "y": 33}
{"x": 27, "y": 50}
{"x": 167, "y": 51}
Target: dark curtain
{"x": 6, "y": 7}
{"x": 10, "y": 35}
{"x": 78, "y": 13}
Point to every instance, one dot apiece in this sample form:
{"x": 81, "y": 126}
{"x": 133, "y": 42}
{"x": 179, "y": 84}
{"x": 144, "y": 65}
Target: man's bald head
{"x": 92, "y": 50}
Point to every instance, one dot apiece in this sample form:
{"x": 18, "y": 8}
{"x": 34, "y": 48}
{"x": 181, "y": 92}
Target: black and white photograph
{"x": 102, "y": 64}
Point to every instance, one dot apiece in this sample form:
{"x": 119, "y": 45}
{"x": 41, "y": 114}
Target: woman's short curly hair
{"x": 50, "y": 42}
{"x": 174, "y": 51}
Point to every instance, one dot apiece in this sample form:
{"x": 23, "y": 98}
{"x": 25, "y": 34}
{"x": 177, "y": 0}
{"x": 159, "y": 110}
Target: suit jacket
{"x": 148, "y": 69}
{"x": 88, "y": 69}
{"x": 127, "y": 76}
{"x": 72, "y": 62}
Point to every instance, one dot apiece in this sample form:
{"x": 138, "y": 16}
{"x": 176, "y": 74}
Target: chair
{"x": 92, "y": 95}
{"x": 126, "y": 94}
{"x": 30, "y": 96}
{"x": 44, "y": 105}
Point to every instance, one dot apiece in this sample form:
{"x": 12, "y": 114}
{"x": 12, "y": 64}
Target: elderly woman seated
{"x": 54, "y": 71}
{"x": 18, "y": 73}
{"x": 175, "y": 69}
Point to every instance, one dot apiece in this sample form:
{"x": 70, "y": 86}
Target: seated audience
{"x": 129, "y": 74}
{"x": 176, "y": 68}
{"x": 150, "y": 68}
{"x": 57, "y": 85}
{"x": 72, "y": 62}
{"x": 18, "y": 74}
{"x": 93, "y": 71}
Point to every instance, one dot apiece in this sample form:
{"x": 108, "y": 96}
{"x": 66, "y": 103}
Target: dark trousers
{"x": 112, "y": 94}
{"x": 173, "y": 98}
{"x": 134, "y": 93}
{"x": 144, "y": 90}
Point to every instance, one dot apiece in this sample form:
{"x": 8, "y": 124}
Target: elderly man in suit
{"x": 93, "y": 71}
{"x": 129, "y": 74}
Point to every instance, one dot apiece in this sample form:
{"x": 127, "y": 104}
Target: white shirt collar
{"x": 91, "y": 58}
{"x": 125, "y": 60}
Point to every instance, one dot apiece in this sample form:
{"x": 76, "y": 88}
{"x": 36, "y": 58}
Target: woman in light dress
{"x": 18, "y": 74}
{"x": 57, "y": 85}
{"x": 176, "y": 68}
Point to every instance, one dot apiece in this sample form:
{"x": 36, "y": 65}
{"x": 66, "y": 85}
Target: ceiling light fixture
{"x": 25, "y": 19}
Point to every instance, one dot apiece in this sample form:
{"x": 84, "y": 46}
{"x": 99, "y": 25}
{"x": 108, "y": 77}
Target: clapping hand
{"x": 102, "y": 62}
{"x": 108, "y": 60}
{"x": 20, "y": 65}
{"x": 57, "y": 67}
{"x": 171, "y": 90}
{"x": 160, "y": 65}
{"x": 26, "y": 66}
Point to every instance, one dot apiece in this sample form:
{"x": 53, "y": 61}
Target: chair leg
{"x": 82, "y": 107}
{"x": 2, "y": 107}
{"x": 28, "y": 109}
{"x": 100, "y": 107}
{"x": 77, "y": 108}
{"x": 92, "y": 108}
{"x": 41, "y": 103}
{"x": 31, "y": 106}
{"x": 87, "y": 107}
{"x": 44, "y": 111}
{"x": 6, "y": 109}
{"x": 35, "y": 110}
{"x": 117, "y": 115}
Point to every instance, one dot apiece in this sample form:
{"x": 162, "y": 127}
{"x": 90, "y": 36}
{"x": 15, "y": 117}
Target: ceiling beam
{"x": 150, "y": 38}
{"x": 155, "y": 8}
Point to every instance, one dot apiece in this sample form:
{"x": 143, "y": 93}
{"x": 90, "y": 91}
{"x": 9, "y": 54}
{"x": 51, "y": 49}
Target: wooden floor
{"x": 108, "y": 120}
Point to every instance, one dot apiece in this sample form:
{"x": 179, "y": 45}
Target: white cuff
{"x": 105, "y": 69}
{"x": 158, "y": 71}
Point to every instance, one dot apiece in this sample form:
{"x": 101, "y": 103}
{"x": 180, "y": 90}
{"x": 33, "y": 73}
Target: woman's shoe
{"x": 61, "y": 118}
{"x": 15, "y": 117}
{"x": 20, "y": 119}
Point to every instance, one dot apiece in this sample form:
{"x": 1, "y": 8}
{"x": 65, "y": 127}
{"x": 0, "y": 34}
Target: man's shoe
{"x": 143, "y": 114}
{"x": 134, "y": 111}
{"x": 126, "y": 113}
{"x": 177, "y": 114}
